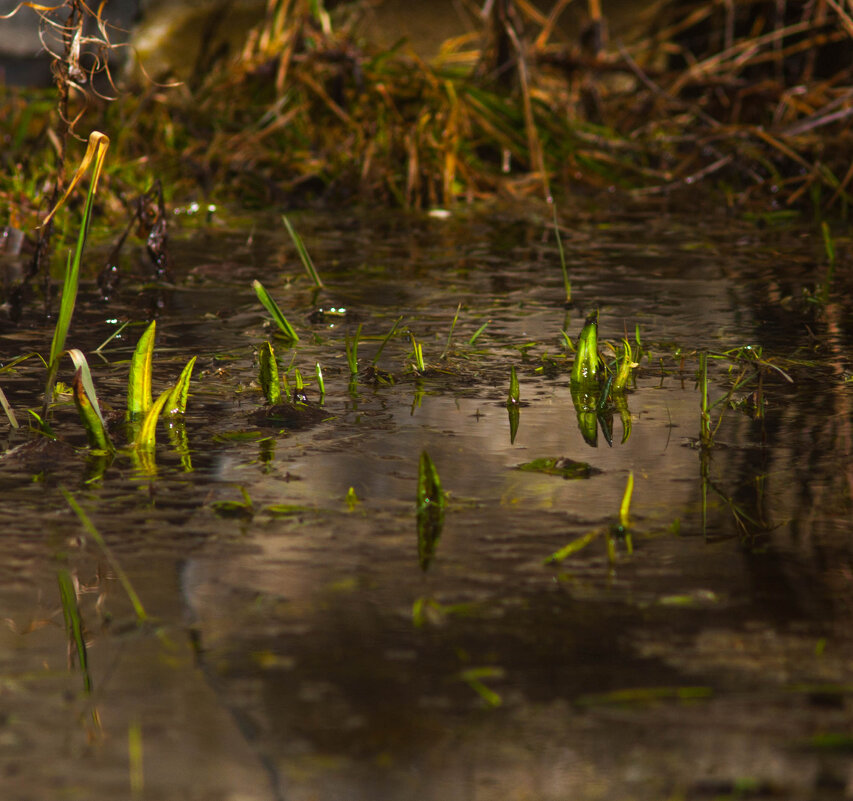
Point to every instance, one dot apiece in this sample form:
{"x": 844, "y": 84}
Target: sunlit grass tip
{"x": 139, "y": 377}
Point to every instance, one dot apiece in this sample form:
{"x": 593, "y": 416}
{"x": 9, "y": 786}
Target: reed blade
{"x": 146, "y": 437}
{"x": 10, "y": 413}
{"x": 139, "y": 377}
{"x": 272, "y": 307}
{"x": 97, "y": 150}
{"x": 96, "y": 432}
{"x": 307, "y": 263}
{"x": 176, "y": 403}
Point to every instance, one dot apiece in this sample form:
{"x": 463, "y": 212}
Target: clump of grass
{"x": 625, "y": 369}
{"x": 417, "y": 354}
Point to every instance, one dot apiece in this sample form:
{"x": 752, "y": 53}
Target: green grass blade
{"x": 4, "y": 402}
{"x": 625, "y": 507}
{"x": 82, "y": 367}
{"x": 386, "y": 338}
{"x": 585, "y": 368}
{"x": 320, "y": 382}
{"x": 573, "y": 547}
{"x": 268, "y": 374}
{"x": 476, "y": 335}
{"x": 139, "y": 378}
{"x": 145, "y": 438}
{"x": 307, "y": 263}
{"x": 97, "y": 150}
{"x": 96, "y": 432}
{"x": 272, "y": 307}
{"x": 176, "y": 403}
{"x": 450, "y": 335}
{"x": 352, "y": 351}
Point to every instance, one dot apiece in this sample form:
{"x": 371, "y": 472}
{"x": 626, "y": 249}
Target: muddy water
{"x": 298, "y": 650}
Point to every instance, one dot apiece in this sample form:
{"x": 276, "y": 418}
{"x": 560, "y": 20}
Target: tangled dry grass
{"x": 753, "y": 99}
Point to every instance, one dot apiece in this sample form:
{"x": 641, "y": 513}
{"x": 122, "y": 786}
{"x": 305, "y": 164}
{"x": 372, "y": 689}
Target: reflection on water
{"x": 299, "y": 650}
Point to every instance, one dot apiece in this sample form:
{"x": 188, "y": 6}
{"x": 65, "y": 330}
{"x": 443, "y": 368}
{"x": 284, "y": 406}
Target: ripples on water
{"x": 285, "y": 662}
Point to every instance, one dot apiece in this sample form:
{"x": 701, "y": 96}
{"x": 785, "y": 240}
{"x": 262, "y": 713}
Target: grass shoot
{"x": 706, "y": 437}
{"x": 586, "y": 367}
{"x": 96, "y": 432}
{"x": 476, "y": 335}
{"x": 351, "y": 346}
{"x": 176, "y": 404}
{"x": 268, "y": 374}
{"x": 514, "y": 391}
{"x": 146, "y": 436}
{"x": 626, "y": 366}
{"x": 139, "y": 377}
{"x": 385, "y": 339}
{"x": 307, "y": 263}
{"x": 272, "y": 307}
{"x": 417, "y": 354}
{"x": 444, "y": 353}
{"x": 321, "y": 384}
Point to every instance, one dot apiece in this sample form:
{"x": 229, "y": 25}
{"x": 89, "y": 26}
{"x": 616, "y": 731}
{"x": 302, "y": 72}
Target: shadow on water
{"x": 301, "y": 649}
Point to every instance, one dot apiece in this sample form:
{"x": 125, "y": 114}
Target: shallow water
{"x": 299, "y": 651}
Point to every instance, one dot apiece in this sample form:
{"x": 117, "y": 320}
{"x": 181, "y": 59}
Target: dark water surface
{"x": 299, "y": 650}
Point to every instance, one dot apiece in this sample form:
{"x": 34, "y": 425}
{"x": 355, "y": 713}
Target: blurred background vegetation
{"x": 423, "y": 104}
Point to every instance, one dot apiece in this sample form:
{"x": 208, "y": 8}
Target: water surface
{"x": 298, "y": 650}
